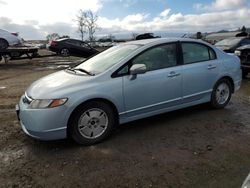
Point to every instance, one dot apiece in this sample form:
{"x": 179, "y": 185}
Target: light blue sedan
{"x": 124, "y": 83}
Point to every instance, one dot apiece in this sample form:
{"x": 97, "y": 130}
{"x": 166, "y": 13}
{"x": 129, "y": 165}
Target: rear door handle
{"x": 211, "y": 67}
{"x": 173, "y": 74}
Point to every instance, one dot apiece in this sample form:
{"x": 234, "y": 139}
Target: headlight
{"x": 238, "y": 53}
{"x": 46, "y": 103}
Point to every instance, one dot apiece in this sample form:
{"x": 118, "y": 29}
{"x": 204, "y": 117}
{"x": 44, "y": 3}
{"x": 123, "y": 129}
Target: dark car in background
{"x": 67, "y": 47}
{"x": 229, "y": 45}
{"x": 243, "y": 53}
{"x": 146, "y": 36}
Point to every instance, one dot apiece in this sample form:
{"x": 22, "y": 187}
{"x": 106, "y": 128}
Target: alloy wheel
{"x": 222, "y": 93}
{"x": 93, "y": 123}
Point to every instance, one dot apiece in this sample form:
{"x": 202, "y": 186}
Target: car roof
{"x": 162, "y": 40}
{"x": 69, "y": 39}
{"x": 4, "y": 30}
{"x": 62, "y": 39}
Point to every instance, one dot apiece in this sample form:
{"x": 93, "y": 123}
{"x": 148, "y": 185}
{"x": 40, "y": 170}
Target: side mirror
{"x": 138, "y": 69}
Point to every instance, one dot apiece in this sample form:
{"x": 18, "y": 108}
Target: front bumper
{"x": 43, "y": 124}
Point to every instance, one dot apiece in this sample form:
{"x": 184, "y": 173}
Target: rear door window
{"x": 82, "y": 44}
{"x": 195, "y": 52}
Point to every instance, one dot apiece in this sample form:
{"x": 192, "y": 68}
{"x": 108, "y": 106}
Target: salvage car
{"x": 146, "y": 36}
{"x": 244, "y": 55}
{"x": 127, "y": 82}
{"x": 67, "y": 47}
{"x": 8, "y": 39}
{"x": 229, "y": 45}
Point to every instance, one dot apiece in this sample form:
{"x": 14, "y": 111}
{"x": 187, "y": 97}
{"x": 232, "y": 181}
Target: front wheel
{"x": 91, "y": 123}
{"x": 221, "y": 94}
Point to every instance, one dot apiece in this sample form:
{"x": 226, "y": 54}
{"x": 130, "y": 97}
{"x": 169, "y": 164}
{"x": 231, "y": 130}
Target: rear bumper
{"x": 53, "y": 49}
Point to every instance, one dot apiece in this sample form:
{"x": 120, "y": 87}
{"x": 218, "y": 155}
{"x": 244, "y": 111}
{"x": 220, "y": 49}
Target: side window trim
{"x": 129, "y": 63}
{"x": 193, "y": 42}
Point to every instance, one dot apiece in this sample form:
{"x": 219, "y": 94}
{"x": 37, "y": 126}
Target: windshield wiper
{"x": 82, "y": 70}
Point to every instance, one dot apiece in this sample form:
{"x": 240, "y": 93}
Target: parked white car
{"x": 8, "y": 39}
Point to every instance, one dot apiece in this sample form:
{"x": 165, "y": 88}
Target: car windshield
{"x": 228, "y": 42}
{"x": 107, "y": 59}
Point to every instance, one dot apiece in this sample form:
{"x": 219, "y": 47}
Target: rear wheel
{"x": 221, "y": 94}
{"x": 92, "y": 123}
{"x": 3, "y": 44}
{"x": 64, "y": 52}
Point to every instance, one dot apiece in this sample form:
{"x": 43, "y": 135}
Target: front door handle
{"x": 173, "y": 74}
{"x": 211, "y": 67}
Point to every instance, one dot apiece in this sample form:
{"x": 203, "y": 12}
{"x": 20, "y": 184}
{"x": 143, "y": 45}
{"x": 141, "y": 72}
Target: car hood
{"x": 224, "y": 47}
{"x": 244, "y": 47}
{"x": 57, "y": 85}
{"x": 228, "y": 49}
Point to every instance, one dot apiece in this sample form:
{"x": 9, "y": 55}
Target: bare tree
{"x": 134, "y": 35}
{"x": 80, "y": 19}
{"x": 52, "y": 36}
{"x": 111, "y": 37}
{"x": 91, "y": 20}
{"x": 87, "y": 24}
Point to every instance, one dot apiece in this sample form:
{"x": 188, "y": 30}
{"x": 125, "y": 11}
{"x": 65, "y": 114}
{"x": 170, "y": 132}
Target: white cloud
{"x": 165, "y": 12}
{"x": 134, "y": 18}
{"x": 46, "y": 11}
{"x": 2, "y": 2}
{"x": 222, "y": 5}
{"x": 184, "y": 23}
{"x": 46, "y": 17}
{"x": 126, "y": 24}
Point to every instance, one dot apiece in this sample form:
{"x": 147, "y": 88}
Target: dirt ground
{"x": 193, "y": 147}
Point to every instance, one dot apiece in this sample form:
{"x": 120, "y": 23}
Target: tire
{"x": 3, "y": 44}
{"x": 244, "y": 74}
{"x": 64, "y": 52}
{"x": 221, "y": 94}
{"x": 91, "y": 123}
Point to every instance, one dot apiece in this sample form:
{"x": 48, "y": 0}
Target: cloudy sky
{"x": 34, "y": 19}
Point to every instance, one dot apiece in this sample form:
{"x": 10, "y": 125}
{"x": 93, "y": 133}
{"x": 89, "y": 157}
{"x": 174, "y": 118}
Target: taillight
{"x": 53, "y": 43}
{"x": 15, "y": 34}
